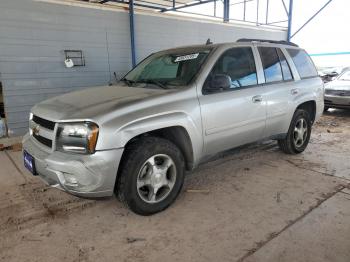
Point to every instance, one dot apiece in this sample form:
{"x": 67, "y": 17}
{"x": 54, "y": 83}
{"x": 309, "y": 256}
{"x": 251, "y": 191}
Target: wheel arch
{"x": 178, "y": 135}
{"x": 310, "y": 107}
{"x": 178, "y": 127}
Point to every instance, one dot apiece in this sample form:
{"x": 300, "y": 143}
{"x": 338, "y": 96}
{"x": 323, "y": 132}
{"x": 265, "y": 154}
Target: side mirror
{"x": 219, "y": 82}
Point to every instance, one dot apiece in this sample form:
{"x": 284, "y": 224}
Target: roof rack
{"x": 281, "y": 42}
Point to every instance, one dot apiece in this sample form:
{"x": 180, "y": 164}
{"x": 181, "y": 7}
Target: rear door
{"x": 310, "y": 86}
{"x": 279, "y": 86}
{"x": 235, "y": 116}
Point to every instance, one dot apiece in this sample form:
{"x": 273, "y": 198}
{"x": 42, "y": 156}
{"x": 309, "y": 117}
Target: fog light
{"x": 70, "y": 180}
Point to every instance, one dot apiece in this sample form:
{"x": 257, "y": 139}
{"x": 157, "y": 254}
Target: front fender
{"x": 122, "y": 135}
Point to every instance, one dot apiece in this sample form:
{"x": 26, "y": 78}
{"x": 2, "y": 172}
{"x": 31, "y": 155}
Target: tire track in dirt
{"x": 32, "y": 203}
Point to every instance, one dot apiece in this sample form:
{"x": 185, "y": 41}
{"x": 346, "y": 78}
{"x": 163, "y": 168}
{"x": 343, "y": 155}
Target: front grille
{"x": 338, "y": 92}
{"x": 42, "y": 130}
{"x": 47, "y": 142}
{"x": 44, "y": 123}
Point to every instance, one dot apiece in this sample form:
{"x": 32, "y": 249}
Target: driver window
{"x": 238, "y": 63}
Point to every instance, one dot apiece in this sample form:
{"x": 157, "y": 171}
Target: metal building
{"x": 106, "y": 39}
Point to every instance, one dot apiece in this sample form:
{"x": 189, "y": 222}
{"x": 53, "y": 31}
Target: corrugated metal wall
{"x": 33, "y": 36}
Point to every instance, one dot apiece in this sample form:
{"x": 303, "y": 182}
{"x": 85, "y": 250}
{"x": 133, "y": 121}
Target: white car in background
{"x": 337, "y": 92}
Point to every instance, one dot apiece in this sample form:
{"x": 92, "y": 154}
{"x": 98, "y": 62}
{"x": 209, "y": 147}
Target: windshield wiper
{"x": 154, "y": 82}
{"x": 127, "y": 81}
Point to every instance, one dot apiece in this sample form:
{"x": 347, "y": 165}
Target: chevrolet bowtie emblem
{"x": 36, "y": 130}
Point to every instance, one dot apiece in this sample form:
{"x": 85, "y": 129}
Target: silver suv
{"x": 173, "y": 111}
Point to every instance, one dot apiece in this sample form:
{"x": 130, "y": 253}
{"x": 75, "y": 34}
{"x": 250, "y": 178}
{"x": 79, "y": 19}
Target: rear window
{"x": 303, "y": 63}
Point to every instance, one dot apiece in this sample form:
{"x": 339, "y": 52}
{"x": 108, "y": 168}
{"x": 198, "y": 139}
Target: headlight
{"x": 77, "y": 137}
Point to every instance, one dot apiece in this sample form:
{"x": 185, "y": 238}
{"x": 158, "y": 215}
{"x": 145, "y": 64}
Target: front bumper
{"x": 337, "y": 101}
{"x": 82, "y": 175}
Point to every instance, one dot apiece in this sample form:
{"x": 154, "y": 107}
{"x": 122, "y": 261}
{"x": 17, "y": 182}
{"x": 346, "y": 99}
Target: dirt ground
{"x": 250, "y": 204}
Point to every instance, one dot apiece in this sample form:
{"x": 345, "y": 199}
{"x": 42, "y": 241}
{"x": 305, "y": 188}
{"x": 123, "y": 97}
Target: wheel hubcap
{"x": 300, "y": 132}
{"x": 156, "y": 178}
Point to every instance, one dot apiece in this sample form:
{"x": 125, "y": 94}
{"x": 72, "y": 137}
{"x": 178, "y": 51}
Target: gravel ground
{"x": 249, "y": 204}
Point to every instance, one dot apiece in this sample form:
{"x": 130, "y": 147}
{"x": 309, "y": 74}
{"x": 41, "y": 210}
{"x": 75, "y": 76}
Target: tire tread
{"x": 286, "y": 144}
{"x": 129, "y": 158}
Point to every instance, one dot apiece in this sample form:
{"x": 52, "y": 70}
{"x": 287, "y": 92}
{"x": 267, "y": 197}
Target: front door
{"x": 236, "y": 115}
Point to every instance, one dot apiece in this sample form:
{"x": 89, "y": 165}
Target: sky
{"x": 328, "y": 32}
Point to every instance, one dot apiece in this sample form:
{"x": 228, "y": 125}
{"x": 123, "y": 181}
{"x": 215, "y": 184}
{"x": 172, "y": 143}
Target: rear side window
{"x": 271, "y": 64}
{"x": 287, "y": 74}
{"x": 303, "y": 63}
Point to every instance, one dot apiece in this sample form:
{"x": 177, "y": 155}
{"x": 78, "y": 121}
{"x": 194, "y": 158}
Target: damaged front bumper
{"x": 82, "y": 175}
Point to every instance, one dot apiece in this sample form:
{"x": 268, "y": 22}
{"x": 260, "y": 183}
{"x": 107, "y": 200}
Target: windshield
{"x": 345, "y": 76}
{"x": 168, "y": 69}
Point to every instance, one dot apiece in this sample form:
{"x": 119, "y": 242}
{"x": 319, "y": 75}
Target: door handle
{"x": 257, "y": 99}
{"x": 294, "y": 91}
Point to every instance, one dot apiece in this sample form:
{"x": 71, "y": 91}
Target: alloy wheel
{"x": 156, "y": 178}
{"x": 300, "y": 132}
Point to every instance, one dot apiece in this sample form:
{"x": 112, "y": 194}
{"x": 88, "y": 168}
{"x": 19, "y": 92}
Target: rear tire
{"x": 151, "y": 176}
{"x": 298, "y": 135}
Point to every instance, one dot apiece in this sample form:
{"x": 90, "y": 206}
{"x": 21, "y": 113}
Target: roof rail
{"x": 281, "y": 42}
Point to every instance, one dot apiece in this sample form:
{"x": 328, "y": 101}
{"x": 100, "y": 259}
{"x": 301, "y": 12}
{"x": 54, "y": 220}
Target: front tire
{"x": 152, "y": 175}
{"x": 298, "y": 135}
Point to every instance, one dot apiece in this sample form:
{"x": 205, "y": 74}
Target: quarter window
{"x": 271, "y": 64}
{"x": 303, "y": 63}
{"x": 239, "y": 64}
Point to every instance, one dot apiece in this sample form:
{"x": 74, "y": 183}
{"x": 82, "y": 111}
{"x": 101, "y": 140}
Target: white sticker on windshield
{"x": 186, "y": 57}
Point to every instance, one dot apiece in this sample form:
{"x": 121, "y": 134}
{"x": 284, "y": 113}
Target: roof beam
{"x": 178, "y": 5}
{"x": 285, "y": 7}
{"x": 244, "y": 9}
{"x": 187, "y": 5}
{"x": 242, "y": 2}
{"x": 312, "y": 17}
{"x": 226, "y": 10}
{"x": 290, "y": 17}
{"x": 135, "y": 4}
{"x": 132, "y": 33}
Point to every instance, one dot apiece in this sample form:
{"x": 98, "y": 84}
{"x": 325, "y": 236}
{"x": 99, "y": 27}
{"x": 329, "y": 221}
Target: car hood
{"x": 338, "y": 85}
{"x": 93, "y": 102}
